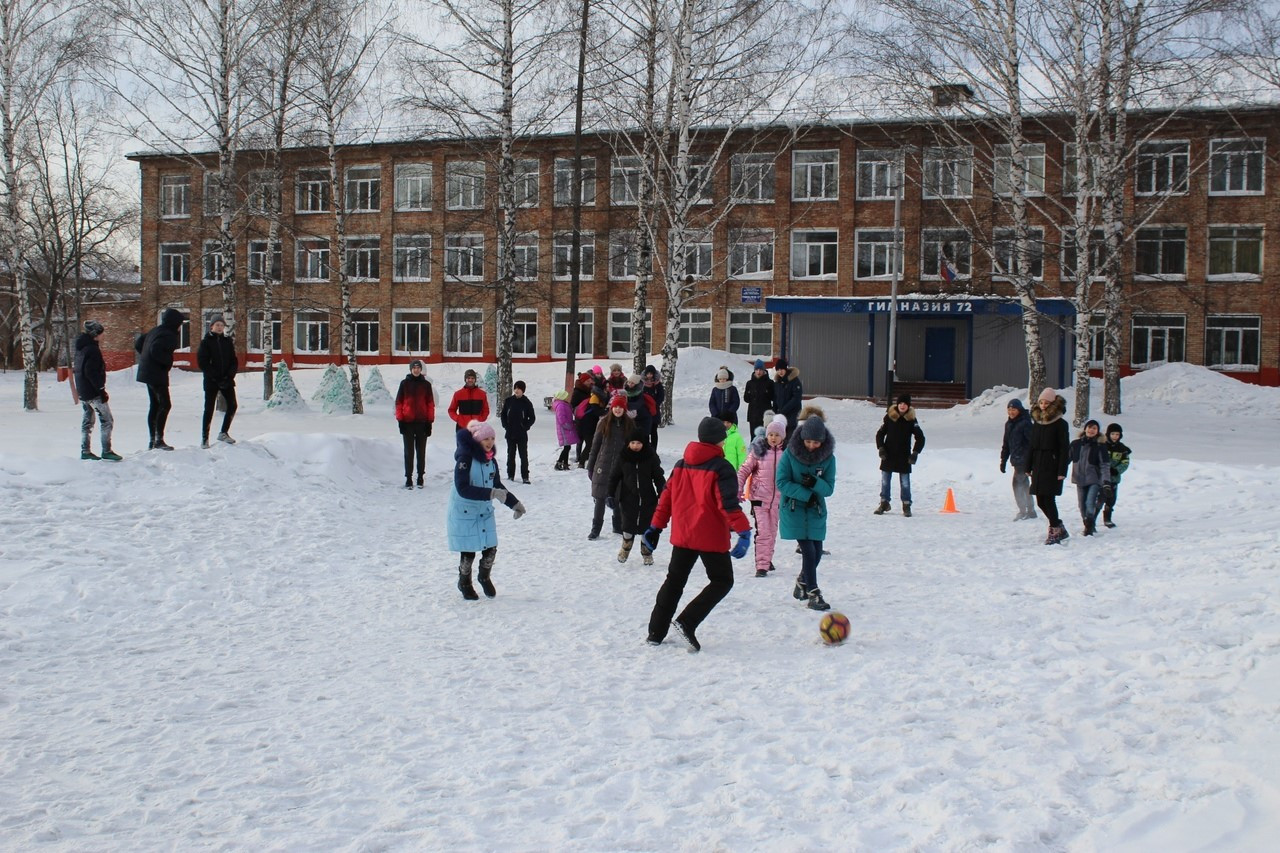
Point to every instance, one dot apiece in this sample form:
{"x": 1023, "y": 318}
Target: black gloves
{"x": 914, "y": 457}
{"x": 808, "y": 481}
{"x": 1002, "y": 468}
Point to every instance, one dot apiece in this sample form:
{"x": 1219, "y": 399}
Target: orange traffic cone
{"x": 949, "y": 505}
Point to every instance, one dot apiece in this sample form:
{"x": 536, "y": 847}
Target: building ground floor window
{"x": 1158, "y": 339}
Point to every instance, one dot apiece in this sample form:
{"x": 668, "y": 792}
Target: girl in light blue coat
{"x": 471, "y": 524}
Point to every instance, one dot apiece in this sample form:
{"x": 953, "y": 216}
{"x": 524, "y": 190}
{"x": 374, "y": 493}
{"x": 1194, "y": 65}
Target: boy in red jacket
{"x": 469, "y": 402}
{"x": 701, "y": 497}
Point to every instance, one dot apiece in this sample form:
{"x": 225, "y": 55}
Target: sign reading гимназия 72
{"x": 920, "y": 306}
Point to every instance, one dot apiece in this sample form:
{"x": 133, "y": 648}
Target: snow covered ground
{"x": 260, "y": 647}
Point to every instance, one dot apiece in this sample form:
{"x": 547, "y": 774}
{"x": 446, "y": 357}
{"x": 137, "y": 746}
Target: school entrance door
{"x": 940, "y": 354}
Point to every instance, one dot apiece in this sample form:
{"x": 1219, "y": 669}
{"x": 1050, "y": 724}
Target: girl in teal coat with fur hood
{"x": 806, "y": 478}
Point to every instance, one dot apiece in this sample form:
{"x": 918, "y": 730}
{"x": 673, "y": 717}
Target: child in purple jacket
{"x": 566, "y": 432}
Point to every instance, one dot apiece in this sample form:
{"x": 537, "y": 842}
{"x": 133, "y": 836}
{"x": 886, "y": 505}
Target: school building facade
{"x": 791, "y": 249}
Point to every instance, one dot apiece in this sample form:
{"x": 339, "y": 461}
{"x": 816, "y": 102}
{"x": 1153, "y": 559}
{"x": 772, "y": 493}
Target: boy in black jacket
{"x": 517, "y": 416}
{"x": 91, "y": 385}
{"x": 218, "y": 362}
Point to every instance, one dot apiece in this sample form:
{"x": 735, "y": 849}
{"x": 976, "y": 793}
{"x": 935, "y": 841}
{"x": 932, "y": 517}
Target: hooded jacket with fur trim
{"x": 1049, "y": 450}
{"x": 895, "y": 438}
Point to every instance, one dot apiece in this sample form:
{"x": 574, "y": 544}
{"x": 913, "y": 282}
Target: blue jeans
{"x": 810, "y": 556}
{"x": 904, "y": 486}
{"x": 1088, "y": 496}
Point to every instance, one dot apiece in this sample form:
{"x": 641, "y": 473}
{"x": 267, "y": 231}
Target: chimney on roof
{"x": 951, "y": 94}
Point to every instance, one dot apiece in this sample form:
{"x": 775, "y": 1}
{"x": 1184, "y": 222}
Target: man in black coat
{"x": 155, "y": 359}
{"x": 517, "y": 416}
{"x": 91, "y": 385}
{"x": 758, "y": 395}
{"x": 897, "y": 453}
{"x": 788, "y": 393}
{"x": 219, "y": 364}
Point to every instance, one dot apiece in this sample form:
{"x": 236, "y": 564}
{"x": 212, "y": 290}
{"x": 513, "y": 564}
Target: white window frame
{"x": 524, "y": 256}
{"x": 1071, "y": 169}
{"x": 413, "y": 186}
{"x": 1241, "y": 328}
{"x": 828, "y": 254}
{"x": 1243, "y": 164}
{"x": 698, "y": 247}
{"x": 933, "y": 243}
{"x": 364, "y": 323}
{"x": 463, "y": 326}
{"x": 174, "y": 256}
{"x": 948, "y": 171}
{"x": 308, "y": 249}
{"x": 824, "y": 164}
{"x": 879, "y": 173}
{"x": 464, "y": 257}
{"x": 363, "y": 187}
{"x": 407, "y": 324}
{"x": 464, "y": 183}
{"x": 209, "y": 197}
{"x": 562, "y": 178}
{"x": 1004, "y": 253}
{"x": 560, "y": 332}
{"x": 1164, "y": 326}
{"x": 526, "y": 324}
{"x": 255, "y": 261}
{"x": 751, "y": 254}
{"x": 1097, "y": 340}
{"x": 212, "y": 267}
{"x": 257, "y": 319}
{"x": 1166, "y": 237}
{"x": 562, "y": 255}
{"x": 1236, "y": 238}
{"x": 411, "y": 257}
{"x": 625, "y": 175}
{"x": 753, "y": 178}
{"x": 184, "y": 328}
{"x": 624, "y": 249}
{"x": 263, "y": 196}
{"x": 1163, "y": 168}
{"x": 175, "y": 196}
{"x": 313, "y": 191}
{"x": 699, "y": 320}
{"x": 1002, "y": 169}
{"x": 528, "y": 171}
{"x": 363, "y": 257}
{"x": 1097, "y": 250}
{"x": 883, "y": 253}
{"x": 759, "y": 334}
{"x": 303, "y": 324}
{"x": 620, "y": 330}
{"x": 700, "y": 174}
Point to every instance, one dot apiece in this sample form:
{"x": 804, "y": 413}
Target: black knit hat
{"x": 904, "y": 398}
{"x": 638, "y": 435}
{"x": 711, "y": 430}
{"x": 1115, "y": 428}
{"x": 93, "y": 327}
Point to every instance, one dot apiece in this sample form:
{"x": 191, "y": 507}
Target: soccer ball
{"x": 834, "y": 629}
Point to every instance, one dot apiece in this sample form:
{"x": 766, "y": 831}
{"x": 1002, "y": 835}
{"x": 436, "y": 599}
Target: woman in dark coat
{"x": 610, "y": 438}
{"x": 1049, "y": 455}
{"x": 758, "y": 395}
{"x": 635, "y": 485}
{"x": 894, "y": 441}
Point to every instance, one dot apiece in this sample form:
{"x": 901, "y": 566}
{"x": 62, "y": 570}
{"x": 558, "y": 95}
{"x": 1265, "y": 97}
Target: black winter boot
{"x": 1106, "y": 517}
{"x": 408, "y": 482}
{"x": 464, "y": 578}
{"x": 487, "y": 556}
{"x": 595, "y": 532}
{"x": 882, "y": 508}
{"x": 906, "y": 509}
{"x": 816, "y": 601}
{"x": 800, "y": 592}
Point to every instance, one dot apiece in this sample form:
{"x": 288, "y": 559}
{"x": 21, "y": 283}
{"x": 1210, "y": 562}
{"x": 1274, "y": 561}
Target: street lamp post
{"x": 891, "y": 358}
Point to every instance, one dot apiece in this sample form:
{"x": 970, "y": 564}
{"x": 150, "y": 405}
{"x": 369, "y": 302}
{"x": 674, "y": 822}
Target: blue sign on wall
{"x": 752, "y": 295}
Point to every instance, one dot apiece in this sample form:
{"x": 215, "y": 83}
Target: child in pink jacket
{"x": 760, "y": 467}
{"x": 566, "y": 432}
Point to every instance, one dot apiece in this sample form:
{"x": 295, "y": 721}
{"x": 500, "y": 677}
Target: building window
{"x": 313, "y": 260}
{"x": 413, "y": 186}
{"x": 1235, "y": 166}
{"x": 1074, "y": 179}
{"x": 1004, "y": 255}
{"x": 526, "y": 333}
{"x": 876, "y": 252}
{"x": 1232, "y": 343}
{"x": 1161, "y": 252}
{"x": 562, "y": 254}
{"x": 1163, "y": 168}
{"x": 946, "y": 254}
{"x": 1235, "y": 252}
{"x": 212, "y": 199}
{"x": 524, "y": 256}
{"x": 815, "y": 175}
{"x": 560, "y": 333}
{"x": 175, "y": 263}
{"x": 1097, "y": 341}
{"x": 211, "y": 263}
{"x": 363, "y": 257}
{"x": 1071, "y": 254}
{"x": 815, "y": 254}
{"x": 948, "y": 172}
{"x": 311, "y": 191}
{"x": 700, "y": 180}
{"x": 751, "y": 177}
{"x": 751, "y": 254}
{"x": 411, "y": 257}
{"x": 464, "y": 331}
{"x": 259, "y": 258}
{"x": 411, "y": 332}
{"x": 695, "y": 329}
{"x": 464, "y": 185}
{"x": 564, "y": 181}
{"x": 620, "y": 331}
{"x": 364, "y": 189}
{"x": 624, "y": 254}
{"x": 624, "y": 180}
{"x": 1033, "y": 176}
{"x": 311, "y": 332}
{"x": 365, "y": 328}
{"x": 695, "y": 258}
{"x": 751, "y": 332}
{"x": 526, "y": 183}
{"x": 264, "y": 193}
{"x": 175, "y": 196}
{"x": 879, "y": 173}
{"x": 257, "y": 330}
{"x": 1158, "y": 339}
{"x": 464, "y": 256}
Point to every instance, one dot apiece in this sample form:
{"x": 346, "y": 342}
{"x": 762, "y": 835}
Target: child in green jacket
{"x": 1118, "y": 452}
